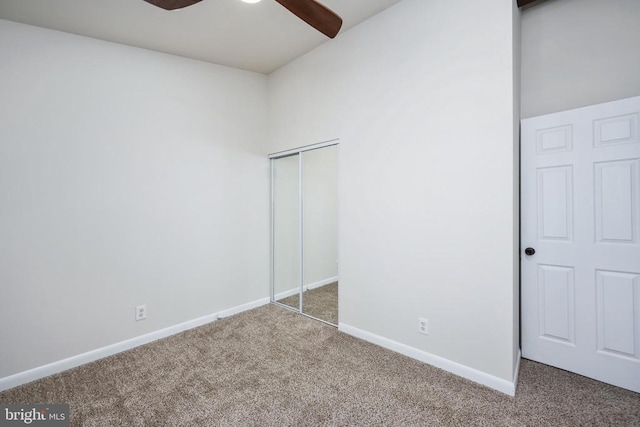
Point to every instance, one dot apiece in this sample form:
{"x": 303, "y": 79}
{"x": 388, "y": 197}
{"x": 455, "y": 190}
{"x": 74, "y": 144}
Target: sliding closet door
{"x": 286, "y": 230}
{"x": 320, "y": 233}
{"x": 305, "y": 230}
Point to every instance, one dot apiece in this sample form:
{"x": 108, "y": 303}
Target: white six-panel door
{"x": 580, "y": 192}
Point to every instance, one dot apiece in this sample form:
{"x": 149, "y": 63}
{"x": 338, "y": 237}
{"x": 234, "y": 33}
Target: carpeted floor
{"x": 321, "y": 303}
{"x": 273, "y": 367}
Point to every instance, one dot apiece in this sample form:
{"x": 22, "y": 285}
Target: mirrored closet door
{"x": 305, "y": 231}
{"x": 285, "y": 190}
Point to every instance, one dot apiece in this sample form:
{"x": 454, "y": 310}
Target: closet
{"x": 304, "y": 230}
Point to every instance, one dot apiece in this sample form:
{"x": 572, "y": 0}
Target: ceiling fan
{"x": 313, "y": 13}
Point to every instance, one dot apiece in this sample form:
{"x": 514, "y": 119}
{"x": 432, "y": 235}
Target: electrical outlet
{"x": 423, "y": 326}
{"x": 141, "y": 312}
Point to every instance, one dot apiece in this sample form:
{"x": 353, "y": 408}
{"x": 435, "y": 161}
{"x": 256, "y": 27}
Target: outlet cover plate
{"x": 423, "y": 326}
{"x": 141, "y": 312}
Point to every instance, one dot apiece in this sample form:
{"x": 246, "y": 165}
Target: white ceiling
{"x": 259, "y": 37}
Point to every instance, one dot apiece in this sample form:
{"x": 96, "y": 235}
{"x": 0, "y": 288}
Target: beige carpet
{"x": 321, "y": 303}
{"x": 273, "y": 367}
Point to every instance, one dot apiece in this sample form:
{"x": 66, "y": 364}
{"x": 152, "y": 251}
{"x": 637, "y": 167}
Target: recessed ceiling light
{"x": 251, "y": 1}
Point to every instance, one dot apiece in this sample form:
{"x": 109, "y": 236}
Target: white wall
{"x": 422, "y": 99}
{"x": 579, "y": 52}
{"x": 517, "y": 86}
{"x": 126, "y": 177}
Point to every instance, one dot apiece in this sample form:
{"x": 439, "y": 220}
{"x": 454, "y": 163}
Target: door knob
{"x": 529, "y": 251}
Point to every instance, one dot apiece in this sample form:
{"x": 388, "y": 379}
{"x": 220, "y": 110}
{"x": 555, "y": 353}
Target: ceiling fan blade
{"x": 172, "y": 4}
{"x": 315, "y": 14}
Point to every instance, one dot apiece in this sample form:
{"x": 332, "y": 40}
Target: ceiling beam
{"x": 528, "y": 3}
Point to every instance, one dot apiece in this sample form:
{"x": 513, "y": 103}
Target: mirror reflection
{"x": 286, "y": 230}
{"x": 320, "y": 231}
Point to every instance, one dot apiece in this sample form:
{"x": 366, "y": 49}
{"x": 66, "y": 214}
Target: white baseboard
{"x": 285, "y": 294}
{"x": 516, "y": 373}
{"x": 320, "y": 283}
{"x": 244, "y": 307}
{"x": 100, "y": 353}
{"x": 313, "y": 285}
{"x": 491, "y": 381}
